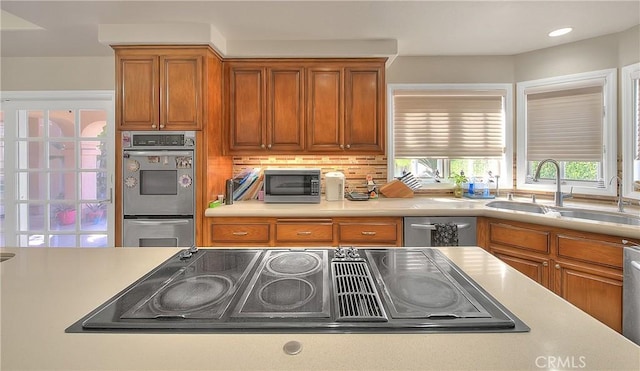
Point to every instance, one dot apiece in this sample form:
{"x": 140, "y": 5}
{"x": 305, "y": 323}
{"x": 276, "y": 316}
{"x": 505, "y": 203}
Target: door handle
{"x": 158, "y": 222}
{"x": 432, "y": 227}
{"x": 635, "y": 264}
{"x": 108, "y": 200}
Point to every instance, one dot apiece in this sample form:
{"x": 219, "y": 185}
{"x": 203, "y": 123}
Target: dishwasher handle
{"x": 432, "y": 227}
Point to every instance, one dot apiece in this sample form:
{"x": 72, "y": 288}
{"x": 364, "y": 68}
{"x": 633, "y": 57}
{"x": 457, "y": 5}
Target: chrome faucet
{"x": 557, "y": 196}
{"x": 621, "y": 203}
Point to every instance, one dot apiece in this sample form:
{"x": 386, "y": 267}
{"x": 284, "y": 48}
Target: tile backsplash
{"x": 355, "y": 168}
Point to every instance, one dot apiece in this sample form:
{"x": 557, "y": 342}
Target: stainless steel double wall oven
{"x": 158, "y": 176}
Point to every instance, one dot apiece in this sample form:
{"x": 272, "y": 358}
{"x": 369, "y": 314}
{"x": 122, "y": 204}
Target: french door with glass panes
{"x": 58, "y": 169}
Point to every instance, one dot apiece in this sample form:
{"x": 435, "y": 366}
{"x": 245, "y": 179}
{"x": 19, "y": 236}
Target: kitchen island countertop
{"x": 430, "y": 206}
{"x": 45, "y": 290}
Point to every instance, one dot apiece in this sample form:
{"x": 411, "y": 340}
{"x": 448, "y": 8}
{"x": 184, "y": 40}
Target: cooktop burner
{"x": 286, "y": 294}
{"x": 407, "y": 288}
{"x": 294, "y": 264}
{"x": 288, "y": 283}
{"x": 417, "y": 285}
{"x": 192, "y": 294}
{"x": 201, "y": 287}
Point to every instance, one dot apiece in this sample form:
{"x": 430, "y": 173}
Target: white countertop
{"x": 428, "y": 206}
{"x": 43, "y": 291}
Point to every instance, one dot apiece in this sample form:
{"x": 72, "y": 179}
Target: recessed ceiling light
{"x": 560, "y": 32}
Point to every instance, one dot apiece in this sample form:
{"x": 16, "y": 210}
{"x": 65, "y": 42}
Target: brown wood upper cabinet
{"x": 305, "y": 106}
{"x": 159, "y": 89}
{"x": 265, "y": 107}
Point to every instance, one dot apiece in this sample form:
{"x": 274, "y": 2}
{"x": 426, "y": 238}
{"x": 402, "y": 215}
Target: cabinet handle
{"x": 304, "y": 233}
{"x": 348, "y": 146}
{"x": 262, "y": 146}
{"x": 269, "y": 146}
{"x": 545, "y": 264}
{"x": 557, "y": 266}
{"x": 153, "y": 126}
{"x": 367, "y": 233}
{"x": 161, "y": 126}
{"x": 240, "y": 233}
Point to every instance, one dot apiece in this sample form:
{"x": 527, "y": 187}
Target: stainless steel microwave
{"x": 292, "y": 185}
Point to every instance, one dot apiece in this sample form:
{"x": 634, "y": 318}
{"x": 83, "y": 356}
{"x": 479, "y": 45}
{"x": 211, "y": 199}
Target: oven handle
{"x": 158, "y": 153}
{"x": 158, "y": 222}
{"x": 432, "y": 227}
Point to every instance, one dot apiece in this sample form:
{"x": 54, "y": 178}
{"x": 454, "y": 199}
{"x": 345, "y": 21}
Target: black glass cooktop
{"x": 303, "y": 290}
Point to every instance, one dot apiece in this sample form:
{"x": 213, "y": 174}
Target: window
{"x": 571, "y": 119}
{"x": 437, "y": 130}
{"x": 631, "y": 124}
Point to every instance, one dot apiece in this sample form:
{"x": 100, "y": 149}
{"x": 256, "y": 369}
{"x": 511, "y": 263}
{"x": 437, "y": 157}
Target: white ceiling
{"x": 246, "y": 28}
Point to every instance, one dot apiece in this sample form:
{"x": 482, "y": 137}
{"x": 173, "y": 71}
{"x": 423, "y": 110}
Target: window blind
{"x": 448, "y": 124}
{"x": 566, "y": 125}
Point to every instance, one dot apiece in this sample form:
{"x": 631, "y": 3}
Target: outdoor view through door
{"x": 56, "y": 176}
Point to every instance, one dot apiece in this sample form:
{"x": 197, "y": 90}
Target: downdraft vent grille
{"x": 355, "y": 293}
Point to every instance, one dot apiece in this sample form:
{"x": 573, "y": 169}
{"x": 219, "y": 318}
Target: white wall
{"x": 57, "y": 73}
{"x": 480, "y": 69}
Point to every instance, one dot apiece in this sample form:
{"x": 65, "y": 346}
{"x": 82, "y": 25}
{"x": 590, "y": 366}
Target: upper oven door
{"x": 158, "y": 182}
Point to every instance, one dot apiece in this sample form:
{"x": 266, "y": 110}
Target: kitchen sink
{"x": 518, "y": 206}
{"x": 600, "y": 216}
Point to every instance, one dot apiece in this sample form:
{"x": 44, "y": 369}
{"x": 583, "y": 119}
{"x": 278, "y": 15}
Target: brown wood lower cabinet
{"x": 295, "y": 232}
{"x": 581, "y": 267}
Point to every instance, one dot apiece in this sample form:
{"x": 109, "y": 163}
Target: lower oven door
{"x": 158, "y": 232}
{"x": 423, "y": 231}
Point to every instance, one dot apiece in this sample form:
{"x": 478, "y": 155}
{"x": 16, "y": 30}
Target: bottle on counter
{"x": 228, "y": 198}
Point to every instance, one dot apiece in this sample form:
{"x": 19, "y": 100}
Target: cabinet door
{"x": 534, "y": 267}
{"x": 325, "y": 119}
{"x": 596, "y": 291}
{"x": 370, "y": 231}
{"x": 285, "y": 109}
{"x": 181, "y": 92}
{"x": 246, "y": 108}
{"x": 137, "y": 92}
{"x": 317, "y": 232}
{"x": 248, "y": 234}
{"x": 364, "y": 109}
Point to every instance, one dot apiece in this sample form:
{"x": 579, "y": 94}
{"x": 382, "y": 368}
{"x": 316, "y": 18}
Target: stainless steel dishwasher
{"x": 419, "y": 231}
{"x": 631, "y": 294}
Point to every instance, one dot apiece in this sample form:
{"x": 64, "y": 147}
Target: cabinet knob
{"x": 269, "y": 146}
{"x": 161, "y": 126}
{"x": 341, "y": 146}
{"x": 348, "y": 146}
{"x": 262, "y": 146}
{"x": 153, "y": 126}
{"x": 545, "y": 264}
{"x": 557, "y": 266}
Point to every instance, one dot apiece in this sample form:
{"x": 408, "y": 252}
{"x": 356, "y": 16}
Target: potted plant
{"x": 65, "y": 214}
{"x": 458, "y": 180}
{"x": 95, "y": 212}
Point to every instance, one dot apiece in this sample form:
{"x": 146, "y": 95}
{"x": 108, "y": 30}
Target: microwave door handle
{"x": 159, "y": 153}
{"x": 159, "y": 222}
{"x": 432, "y": 227}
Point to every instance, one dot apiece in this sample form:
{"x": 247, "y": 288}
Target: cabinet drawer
{"x": 608, "y": 254}
{"x": 240, "y": 233}
{"x": 313, "y": 232}
{"x": 363, "y": 233}
{"x": 527, "y": 239}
